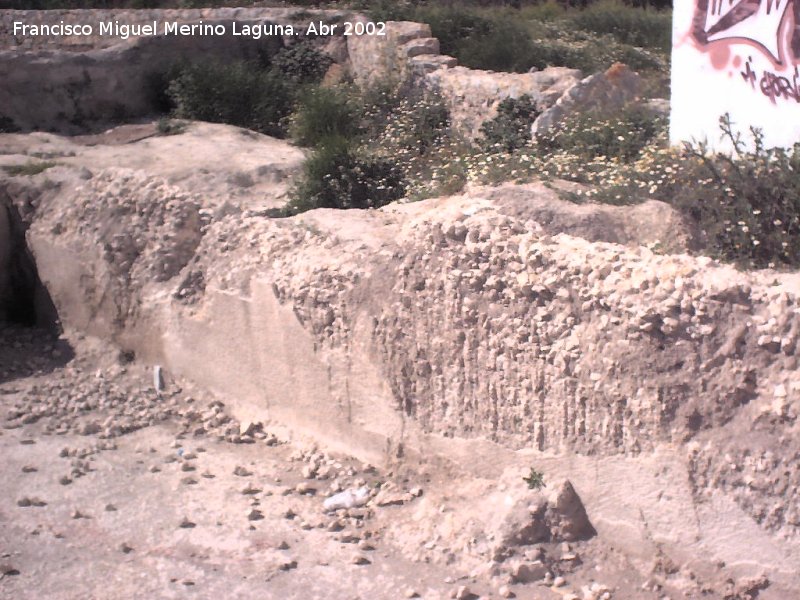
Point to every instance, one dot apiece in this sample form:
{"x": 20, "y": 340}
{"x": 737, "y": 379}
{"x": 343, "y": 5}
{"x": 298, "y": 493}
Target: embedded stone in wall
{"x": 473, "y": 96}
{"x": 737, "y": 58}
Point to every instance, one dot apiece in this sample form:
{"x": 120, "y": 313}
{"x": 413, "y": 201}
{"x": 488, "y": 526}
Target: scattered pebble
{"x": 304, "y": 488}
{"x": 8, "y": 570}
{"x": 288, "y": 565}
{"x": 255, "y": 515}
{"x": 26, "y": 502}
{"x": 462, "y": 592}
{"x": 505, "y": 592}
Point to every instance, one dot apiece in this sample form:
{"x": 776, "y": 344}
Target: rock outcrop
{"x": 602, "y": 92}
{"x": 555, "y": 517}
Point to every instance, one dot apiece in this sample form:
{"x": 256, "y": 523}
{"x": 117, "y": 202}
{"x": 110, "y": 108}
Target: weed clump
{"x": 301, "y": 63}
{"x": 590, "y": 37}
{"x": 620, "y": 136}
{"x": 29, "y": 169}
{"x": 640, "y": 28}
{"x": 167, "y": 126}
{"x": 322, "y": 114}
{"x": 371, "y": 147}
{"x": 337, "y": 175}
{"x": 535, "y": 479}
{"x": 510, "y": 130}
{"x": 749, "y": 204}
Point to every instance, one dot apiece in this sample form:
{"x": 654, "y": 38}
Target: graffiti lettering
{"x": 772, "y": 85}
{"x": 748, "y": 74}
{"x": 776, "y": 86}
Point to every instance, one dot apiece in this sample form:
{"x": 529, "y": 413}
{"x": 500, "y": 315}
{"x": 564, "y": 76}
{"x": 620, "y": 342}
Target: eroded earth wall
{"x": 501, "y": 327}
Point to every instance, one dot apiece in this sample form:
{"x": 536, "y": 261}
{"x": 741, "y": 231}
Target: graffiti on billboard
{"x": 733, "y": 32}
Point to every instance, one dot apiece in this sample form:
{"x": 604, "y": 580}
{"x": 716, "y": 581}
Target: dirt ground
{"x": 159, "y": 513}
{"x": 113, "y": 490}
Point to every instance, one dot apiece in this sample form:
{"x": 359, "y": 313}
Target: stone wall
{"x": 408, "y": 52}
{"x": 71, "y": 84}
{"x": 77, "y": 84}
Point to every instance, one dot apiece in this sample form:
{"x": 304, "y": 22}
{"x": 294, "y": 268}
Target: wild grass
{"x": 28, "y": 169}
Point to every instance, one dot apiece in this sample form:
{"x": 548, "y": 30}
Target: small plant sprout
{"x": 535, "y": 479}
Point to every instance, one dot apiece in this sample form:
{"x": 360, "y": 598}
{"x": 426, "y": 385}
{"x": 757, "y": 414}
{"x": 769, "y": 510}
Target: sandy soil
{"x": 86, "y": 517}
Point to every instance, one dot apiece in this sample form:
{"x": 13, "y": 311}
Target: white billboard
{"x": 739, "y": 57}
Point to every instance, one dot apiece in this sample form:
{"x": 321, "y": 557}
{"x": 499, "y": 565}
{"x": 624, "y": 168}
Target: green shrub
{"x": 456, "y": 27}
{"x": 479, "y": 39}
{"x": 237, "y": 93}
{"x": 745, "y": 205}
{"x": 621, "y": 136}
{"x": 507, "y": 46}
{"x": 167, "y": 126}
{"x": 323, "y": 113}
{"x": 376, "y": 105}
{"x": 643, "y": 28}
{"x": 411, "y": 124}
{"x": 559, "y": 44}
{"x": 748, "y": 204}
{"x": 511, "y": 129}
{"x": 541, "y": 35}
{"x": 302, "y": 63}
{"x": 29, "y": 169}
{"x": 339, "y": 176}
{"x": 7, "y": 125}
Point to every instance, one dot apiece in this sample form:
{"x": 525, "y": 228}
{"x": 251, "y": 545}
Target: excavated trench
{"x": 24, "y": 300}
{"x": 31, "y": 341}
